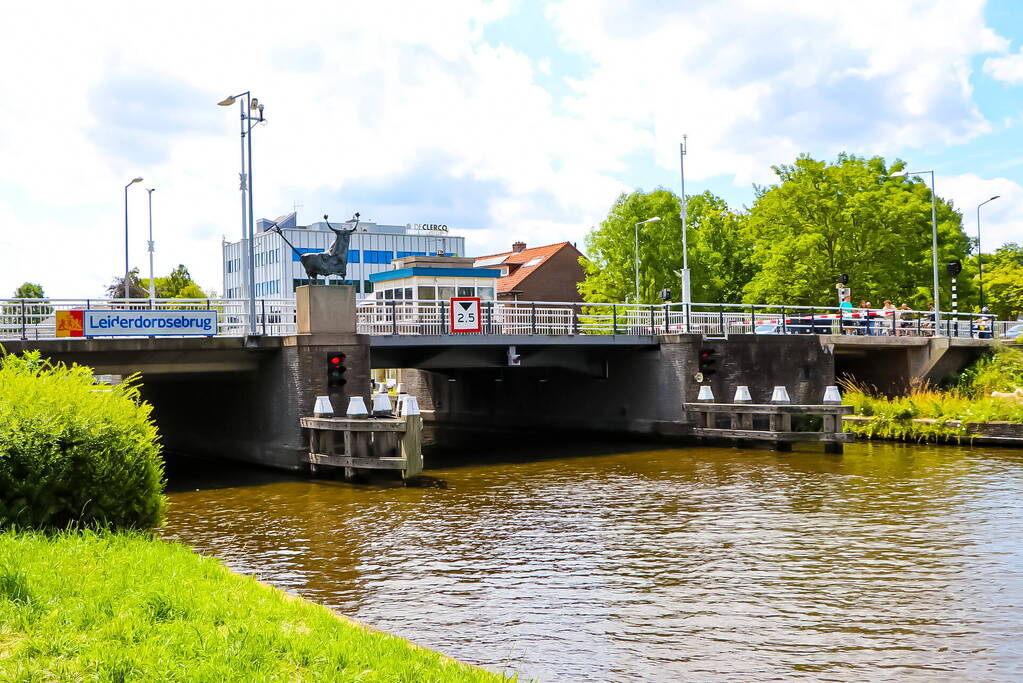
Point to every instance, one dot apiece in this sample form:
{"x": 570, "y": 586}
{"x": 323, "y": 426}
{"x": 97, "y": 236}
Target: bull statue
{"x": 334, "y": 261}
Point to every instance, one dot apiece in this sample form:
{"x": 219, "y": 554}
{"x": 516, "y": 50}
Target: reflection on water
{"x": 890, "y": 562}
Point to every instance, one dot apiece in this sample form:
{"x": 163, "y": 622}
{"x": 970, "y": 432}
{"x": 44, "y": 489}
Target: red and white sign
{"x": 466, "y": 315}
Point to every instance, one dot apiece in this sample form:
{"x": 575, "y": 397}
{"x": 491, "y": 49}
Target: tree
{"x": 849, "y": 217}
{"x": 1003, "y": 282}
{"x": 29, "y": 290}
{"x": 115, "y": 290}
{"x": 719, "y": 252}
{"x": 178, "y": 285}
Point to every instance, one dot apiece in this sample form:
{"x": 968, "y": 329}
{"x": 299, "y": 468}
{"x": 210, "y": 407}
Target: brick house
{"x": 548, "y": 273}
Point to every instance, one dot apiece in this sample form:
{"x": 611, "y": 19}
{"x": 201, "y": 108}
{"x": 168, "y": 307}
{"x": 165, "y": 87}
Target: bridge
{"x": 607, "y": 367}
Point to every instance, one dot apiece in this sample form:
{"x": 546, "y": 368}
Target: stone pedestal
{"x": 325, "y": 310}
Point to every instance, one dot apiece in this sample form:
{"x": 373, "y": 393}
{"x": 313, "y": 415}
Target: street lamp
{"x": 980, "y": 253}
{"x": 134, "y": 180}
{"x": 655, "y": 219}
{"x": 685, "y": 245}
{"x": 934, "y": 239}
{"x": 248, "y": 122}
{"x": 152, "y": 286}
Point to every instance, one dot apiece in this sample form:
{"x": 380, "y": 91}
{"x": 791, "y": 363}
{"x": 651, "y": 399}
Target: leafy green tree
{"x": 851, "y": 216}
{"x": 136, "y": 290}
{"x": 719, "y": 253}
{"x": 1003, "y": 282}
{"x": 178, "y": 285}
{"x": 29, "y": 290}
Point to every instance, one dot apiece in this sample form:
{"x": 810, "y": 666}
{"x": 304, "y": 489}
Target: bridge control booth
{"x": 434, "y": 278}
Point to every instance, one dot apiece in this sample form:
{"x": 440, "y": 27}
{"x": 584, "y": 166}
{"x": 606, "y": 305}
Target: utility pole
{"x": 686, "y": 297}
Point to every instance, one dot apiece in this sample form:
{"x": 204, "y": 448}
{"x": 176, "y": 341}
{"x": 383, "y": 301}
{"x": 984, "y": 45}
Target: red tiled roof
{"x": 516, "y": 260}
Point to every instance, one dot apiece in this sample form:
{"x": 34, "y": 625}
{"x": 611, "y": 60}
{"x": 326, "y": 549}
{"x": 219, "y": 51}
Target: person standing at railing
{"x": 888, "y": 314}
{"x": 845, "y": 310}
{"x": 984, "y": 324}
{"x": 903, "y": 317}
{"x": 867, "y": 324}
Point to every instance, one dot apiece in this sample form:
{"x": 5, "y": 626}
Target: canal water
{"x": 616, "y": 563}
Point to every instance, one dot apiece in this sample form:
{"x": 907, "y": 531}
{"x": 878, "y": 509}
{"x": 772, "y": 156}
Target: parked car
{"x": 1015, "y": 332}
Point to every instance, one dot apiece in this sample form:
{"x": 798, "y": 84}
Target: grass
{"x": 125, "y": 606}
{"x": 967, "y": 400}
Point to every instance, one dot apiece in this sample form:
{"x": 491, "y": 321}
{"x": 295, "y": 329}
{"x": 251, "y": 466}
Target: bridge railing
{"x": 430, "y": 317}
{"x": 36, "y": 318}
{"x": 712, "y": 319}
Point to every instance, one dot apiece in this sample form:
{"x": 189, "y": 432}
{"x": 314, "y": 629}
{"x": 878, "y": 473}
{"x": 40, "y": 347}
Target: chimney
{"x": 518, "y": 246}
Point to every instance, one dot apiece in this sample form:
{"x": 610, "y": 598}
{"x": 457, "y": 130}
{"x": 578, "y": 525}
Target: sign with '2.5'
{"x": 466, "y": 315}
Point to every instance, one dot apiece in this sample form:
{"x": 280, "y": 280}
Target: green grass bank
{"x": 949, "y": 409}
{"x": 128, "y": 607}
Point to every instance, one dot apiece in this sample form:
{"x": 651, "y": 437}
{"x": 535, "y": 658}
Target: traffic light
{"x": 336, "y": 371}
{"x": 844, "y": 278}
{"x": 955, "y": 267}
{"x": 708, "y": 361}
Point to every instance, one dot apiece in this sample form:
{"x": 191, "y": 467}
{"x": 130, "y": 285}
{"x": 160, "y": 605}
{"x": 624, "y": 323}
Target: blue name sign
{"x": 149, "y": 323}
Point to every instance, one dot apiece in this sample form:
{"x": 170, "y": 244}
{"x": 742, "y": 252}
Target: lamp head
{"x": 227, "y": 101}
{"x": 254, "y": 104}
{"x": 135, "y": 180}
{"x": 994, "y": 198}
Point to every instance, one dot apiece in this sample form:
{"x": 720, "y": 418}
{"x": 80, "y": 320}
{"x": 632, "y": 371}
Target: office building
{"x": 373, "y": 246}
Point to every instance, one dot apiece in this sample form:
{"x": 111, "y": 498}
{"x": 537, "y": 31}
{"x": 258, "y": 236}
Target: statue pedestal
{"x": 320, "y": 309}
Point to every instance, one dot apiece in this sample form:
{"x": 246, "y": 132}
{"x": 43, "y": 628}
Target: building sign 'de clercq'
{"x": 427, "y": 227}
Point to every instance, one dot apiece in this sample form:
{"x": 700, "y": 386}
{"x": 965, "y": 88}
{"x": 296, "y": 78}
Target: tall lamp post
{"x": 934, "y": 239}
{"x": 980, "y": 253}
{"x": 248, "y": 122}
{"x": 152, "y": 286}
{"x": 134, "y": 180}
{"x": 685, "y": 294}
{"x": 655, "y": 219}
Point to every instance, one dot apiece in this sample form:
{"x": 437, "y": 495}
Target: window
{"x": 427, "y": 293}
{"x": 367, "y": 286}
{"x": 403, "y": 254}
{"x": 445, "y": 292}
{"x": 399, "y": 293}
{"x": 532, "y": 262}
{"x": 485, "y": 292}
{"x": 377, "y": 256}
{"x": 466, "y": 291}
{"x": 389, "y": 294}
{"x": 353, "y": 255}
{"x": 408, "y": 293}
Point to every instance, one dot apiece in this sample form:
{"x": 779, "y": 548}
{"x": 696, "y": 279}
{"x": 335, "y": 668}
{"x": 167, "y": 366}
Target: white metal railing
{"x": 36, "y": 318}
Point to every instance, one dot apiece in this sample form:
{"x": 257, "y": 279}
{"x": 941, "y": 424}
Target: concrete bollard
{"x": 399, "y": 403}
{"x": 831, "y": 395}
{"x": 357, "y": 407}
{"x": 323, "y": 408}
{"x": 706, "y": 394}
{"x": 742, "y": 395}
{"x": 410, "y": 406}
{"x": 780, "y": 395}
{"x": 381, "y": 405}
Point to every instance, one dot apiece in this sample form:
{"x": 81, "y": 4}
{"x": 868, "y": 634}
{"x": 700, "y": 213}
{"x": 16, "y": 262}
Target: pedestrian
{"x": 868, "y": 324}
{"x": 845, "y": 310}
{"x": 903, "y": 316}
{"x": 984, "y": 324}
{"x": 888, "y": 312}
{"x": 929, "y": 320}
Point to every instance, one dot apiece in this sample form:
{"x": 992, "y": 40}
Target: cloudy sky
{"x": 505, "y": 120}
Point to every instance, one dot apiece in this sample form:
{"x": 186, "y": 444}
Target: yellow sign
{"x": 70, "y": 324}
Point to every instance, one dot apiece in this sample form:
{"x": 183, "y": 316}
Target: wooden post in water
{"x": 412, "y": 439}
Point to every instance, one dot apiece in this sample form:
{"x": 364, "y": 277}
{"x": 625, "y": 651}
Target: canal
{"x": 617, "y": 563}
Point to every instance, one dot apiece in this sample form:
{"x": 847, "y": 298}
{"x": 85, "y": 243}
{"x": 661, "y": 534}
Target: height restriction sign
{"x": 465, "y": 315}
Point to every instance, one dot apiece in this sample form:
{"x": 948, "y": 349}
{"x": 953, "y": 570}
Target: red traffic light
{"x": 337, "y": 359}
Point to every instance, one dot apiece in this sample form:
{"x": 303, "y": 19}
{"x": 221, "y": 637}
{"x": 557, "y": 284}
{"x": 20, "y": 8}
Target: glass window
{"x": 445, "y": 292}
{"x": 353, "y": 255}
{"x": 408, "y": 293}
{"x": 466, "y": 291}
{"x": 367, "y": 286}
{"x": 380, "y": 294}
{"x": 427, "y": 293}
{"x": 389, "y": 294}
{"x": 485, "y": 292}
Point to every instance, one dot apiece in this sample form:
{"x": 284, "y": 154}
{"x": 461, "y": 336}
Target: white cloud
{"x": 1001, "y": 220}
{"x": 1008, "y": 68}
{"x": 363, "y": 97}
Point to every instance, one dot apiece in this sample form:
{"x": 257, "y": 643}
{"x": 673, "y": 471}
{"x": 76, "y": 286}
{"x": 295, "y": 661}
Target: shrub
{"x": 1001, "y": 370}
{"x": 73, "y": 453}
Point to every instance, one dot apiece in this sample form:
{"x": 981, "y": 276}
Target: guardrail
{"x": 36, "y": 318}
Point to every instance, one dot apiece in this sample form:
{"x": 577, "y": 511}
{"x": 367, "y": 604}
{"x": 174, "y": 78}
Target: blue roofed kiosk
{"x": 434, "y": 278}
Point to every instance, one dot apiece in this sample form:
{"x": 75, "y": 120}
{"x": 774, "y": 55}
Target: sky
{"x": 504, "y": 120}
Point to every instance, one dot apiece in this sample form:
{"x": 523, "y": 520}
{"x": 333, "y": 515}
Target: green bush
{"x": 73, "y": 453}
{"x": 1000, "y": 370}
